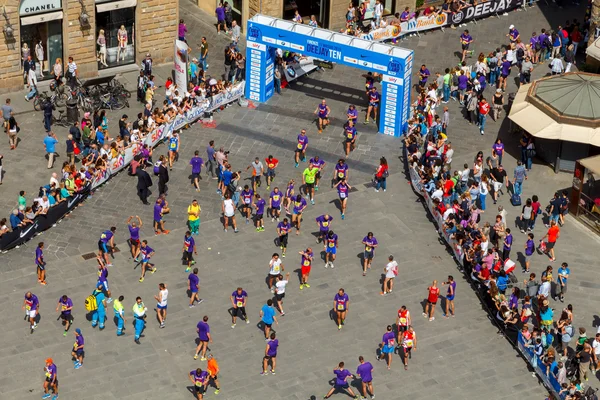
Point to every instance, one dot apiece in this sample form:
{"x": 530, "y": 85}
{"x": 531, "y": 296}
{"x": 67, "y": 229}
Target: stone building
{"x": 330, "y": 14}
{"x": 52, "y": 30}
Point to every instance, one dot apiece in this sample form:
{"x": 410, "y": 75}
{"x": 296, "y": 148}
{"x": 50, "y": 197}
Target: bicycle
{"x": 61, "y": 119}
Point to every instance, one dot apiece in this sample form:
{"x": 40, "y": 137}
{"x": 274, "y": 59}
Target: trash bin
{"x": 72, "y": 111}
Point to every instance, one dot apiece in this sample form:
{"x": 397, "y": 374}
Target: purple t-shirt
{"x": 341, "y": 170}
{"x": 305, "y": 260}
{"x": 530, "y": 247}
{"x": 341, "y": 301}
{"x": 64, "y": 305}
{"x": 508, "y": 240}
{"x": 199, "y": 379}
{"x": 513, "y": 34}
{"x": 364, "y": 371}
{"x": 462, "y": 82}
{"x": 146, "y": 251}
{"x": 51, "y": 371}
{"x": 239, "y": 298}
{"x": 275, "y": 199}
{"x": 316, "y": 163}
{"x": 203, "y": 330}
{"x": 196, "y": 163}
{"x": 341, "y": 376}
{"x": 302, "y": 142}
{"x": 453, "y": 286}
{"x": 134, "y": 232}
{"x": 388, "y": 338}
{"x": 194, "y": 280}
{"x": 273, "y": 345}
{"x": 342, "y": 189}
{"x": 79, "y": 340}
{"x": 283, "y": 227}
{"x": 246, "y": 196}
{"x": 299, "y": 205}
{"x": 499, "y": 148}
{"x": 189, "y": 243}
{"x": 220, "y": 11}
{"x": 39, "y": 256}
{"x": 260, "y": 206}
{"x": 32, "y": 302}
{"x": 106, "y": 236}
{"x": 324, "y": 224}
{"x": 369, "y": 243}
{"x": 157, "y": 212}
{"x": 505, "y": 67}
{"x": 425, "y": 73}
{"x": 102, "y": 275}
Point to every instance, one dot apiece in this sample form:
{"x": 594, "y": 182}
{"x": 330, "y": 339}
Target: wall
{"x": 11, "y": 76}
{"x": 337, "y": 14}
{"x": 156, "y": 35}
{"x": 79, "y": 42}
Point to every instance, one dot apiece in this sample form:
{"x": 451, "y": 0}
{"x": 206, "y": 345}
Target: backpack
{"x": 157, "y": 168}
{"x": 91, "y": 304}
{"x": 492, "y": 64}
{"x": 548, "y": 42}
{"x": 520, "y": 53}
{"x": 537, "y": 45}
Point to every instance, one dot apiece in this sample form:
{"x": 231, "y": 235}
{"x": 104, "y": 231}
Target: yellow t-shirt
{"x": 194, "y": 209}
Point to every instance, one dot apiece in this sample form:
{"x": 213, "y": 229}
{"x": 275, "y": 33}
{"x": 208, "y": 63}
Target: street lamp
{"x": 84, "y": 18}
{"x": 7, "y": 29}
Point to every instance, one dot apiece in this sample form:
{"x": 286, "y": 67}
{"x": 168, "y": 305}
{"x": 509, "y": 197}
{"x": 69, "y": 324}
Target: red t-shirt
{"x": 272, "y": 163}
{"x": 553, "y": 233}
{"x": 448, "y": 188}
{"x": 484, "y": 108}
{"x": 434, "y": 292}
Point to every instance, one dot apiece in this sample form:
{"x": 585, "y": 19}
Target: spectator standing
{"x": 48, "y": 108}
{"x": 144, "y": 183}
{"x": 220, "y": 13}
{"x": 71, "y": 73}
{"x": 519, "y": 176}
{"x": 484, "y": 109}
{"x": 7, "y": 111}
{"x": 182, "y": 30}
{"x": 235, "y": 35}
{"x": 50, "y": 143}
{"x": 204, "y": 53}
{"x": 553, "y": 234}
{"x": 13, "y": 130}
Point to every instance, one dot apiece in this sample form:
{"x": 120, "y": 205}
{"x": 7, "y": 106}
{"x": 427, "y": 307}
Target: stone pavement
{"x": 158, "y": 368}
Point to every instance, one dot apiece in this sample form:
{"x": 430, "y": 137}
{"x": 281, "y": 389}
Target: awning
{"x": 36, "y": 19}
{"x": 115, "y": 5}
{"x": 592, "y": 164}
{"x": 594, "y": 49}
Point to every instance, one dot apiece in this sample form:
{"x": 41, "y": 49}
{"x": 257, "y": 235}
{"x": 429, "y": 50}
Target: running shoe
{"x": 306, "y": 285}
{"x": 153, "y": 270}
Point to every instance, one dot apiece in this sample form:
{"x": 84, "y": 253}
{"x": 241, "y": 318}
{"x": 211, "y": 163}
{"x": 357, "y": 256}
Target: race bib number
{"x": 342, "y": 195}
{"x": 368, "y": 248}
{"x": 300, "y": 146}
{"x": 271, "y": 166}
{"x": 340, "y": 174}
{"x": 306, "y": 263}
{"x": 75, "y": 346}
{"x": 64, "y": 308}
{"x": 247, "y": 200}
{"x": 332, "y": 244}
{"x": 408, "y": 343}
{"x": 198, "y": 383}
{"x": 275, "y": 198}
{"x": 173, "y": 146}
{"x": 350, "y": 135}
{"x": 240, "y": 303}
{"x": 276, "y": 268}
{"x": 297, "y": 204}
{"x": 28, "y": 307}
{"x": 341, "y": 307}
{"x": 403, "y": 321}
{"x": 48, "y": 375}
{"x": 186, "y": 247}
{"x": 325, "y": 224}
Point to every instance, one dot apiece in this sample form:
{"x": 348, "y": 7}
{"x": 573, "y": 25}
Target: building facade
{"x": 50, "y": 31}
{"x": 330, "y": 14}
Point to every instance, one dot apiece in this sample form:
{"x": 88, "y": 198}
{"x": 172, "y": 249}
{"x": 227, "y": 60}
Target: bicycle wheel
{"x": 37, "y": 104}
{"x": 118, "y": 103}
{"x": 61, "y": 100}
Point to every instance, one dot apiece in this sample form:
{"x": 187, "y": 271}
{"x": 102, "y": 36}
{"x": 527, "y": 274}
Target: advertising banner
{"x": 180, "y": 63}
{"x": 42, "y": 222}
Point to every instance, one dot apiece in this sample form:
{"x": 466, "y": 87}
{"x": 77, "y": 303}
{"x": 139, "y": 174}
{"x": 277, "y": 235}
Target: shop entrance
{"x": 118, "y": 25}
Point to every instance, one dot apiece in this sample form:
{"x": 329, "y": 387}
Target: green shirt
{"x": 447, "y": 79}
{"x": 310, "y": 175}
{"x": 22, "y": 201}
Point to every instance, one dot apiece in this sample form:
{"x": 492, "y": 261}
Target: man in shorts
{"x": 147, "y": 252}
{"x": 270, "y": 355}
{"x": 271, "y": 165}
{"x": 319, "y": 164}
{"x": 365, "y": 371}
{"x": 409, "y": 343}
{"x": 388, "y": 346}
{"x": 220, "y": 13}
{"x": 65, "y": 307}
{"x": 275, "y": 204}
{"x": 275, "y": 268}
{"x": 194, "y": 287}
{"x": 134, "y": 236}
{"x": 238, "y": 301}
{"x": 257, "y": 172}
{"x": 77, "y": 352}
{"x": 301, "y": 146}
{"x": 299, "y": 207}
{"x": 40, "y": 263}
{"x": 370, "y": 244}
{"x": 267, "y": 317}
{"x": 391, "y": 271}
{"x": 340, "y": 171}
{"x": 51, "y": 381}
{"x": 31, "y": 305}
{"x": 341, "y": 375}
{"x": 189, "y": 246}
{"x": 330, "y": 246}
{"x": 259, "y": 203}
{"x": 351, "y": 135}
{"x": 200, "y": 379}
{"x": 553, "y": 234}
{"x": 465, "y": 41}
{"x": 309, "y": 177}
{"x": 283, "y": 228}
{"x": 432, "y": 298}
{"x": 212, "y": 368}
{"x": 341, "y": 304}
{"x": 204, "y": 337}
{"x": 450, "y": 295}
{"x": 403, "y": 321}
{"x": 561, "y": 281}
{"x": 107, "y": 240}
{"x": 246, "y": 196}
{"x": 159, "y": 224}
{"x": 161, "y": 303}
{"x": 529, "y": 250}
{"x": 307, "y": 257}
{"x": 280, "y": 291}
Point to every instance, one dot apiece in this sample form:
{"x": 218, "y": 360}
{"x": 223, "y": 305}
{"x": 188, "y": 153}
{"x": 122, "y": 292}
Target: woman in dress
{"x": 122, "y": 37}
{"x": 102, "y": 47}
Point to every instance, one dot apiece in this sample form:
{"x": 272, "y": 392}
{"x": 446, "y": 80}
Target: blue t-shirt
{"x": 14, "y": 221}
{"x": 210, "y": 152}
{"x": 50, "y": 144}
{"x": 563, "y": 271}
{"x": 227, "y": 175}
{"x": 268, "y": 314}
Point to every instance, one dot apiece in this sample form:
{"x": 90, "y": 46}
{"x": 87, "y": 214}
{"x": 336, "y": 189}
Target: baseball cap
{"x": 49, "y": 361}
{"x": 78, "y": 331}
{"x": 511, "y": 27}
{"x": 498, "y": 90}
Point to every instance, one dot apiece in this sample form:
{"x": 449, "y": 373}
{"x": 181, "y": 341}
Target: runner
{"x": 373, "y": 104}
{"x": 139, "y": 317}
{"x": 351, "y": 135}
{"x": 343, "y": 191}
{"x": 402, "y": 322}
{"x": 204, "y": 335}
{"x": 161, "y": 306}
{"x": 370, "y": 244}
{"x": 319, "y": 165}
{"x": 275, "y": 268}
{"x": 259, "y": 203}
{"x": 307, "y": 257}
{"x": 275, "y": 204}
{"x": 280, "y": 291}
{"x": 194, "y": 287}
{"x": 450, "y": 295}
{"x": 341, "y": 305}
{"x": 173, "y": 149}
{"x": 257, "y": 172}
{"x": 324, "y": 224}
{"x": 465, "y": 41}
{"x": 308, "y": 180}
{"x": 352, "y": 114}
{"x": 200, "y": 380}
{"x": 432, "y": 299}
{"x": 193, "y": 212}
{"x": 409, "y": 343}
{"x": 267, "y": 316}
{"x": 120, "y": 315}
{"x": 147, "y": 252}
{"x": 330, "y": 246}
{"x": 270, "y": 355}
{"x": 288, "y": 196}
{"x": 238, "y": 301}
{"x": 196, "y": 163}
{"x": 228, "y": 210}
{"x": 365, "y": 371}
{"x": 31, "y": 306}
{"x": 391, "y": 271}
{"x": 271, "y": 165}
{"x": 340, "y": 172}
{"x": 134, "y": 236}
{"x": 40, "y": 263}
{"x": 77, "y": 353}
{"x": 189, "y": 246}
{"x": 65, "y": 305}
{"x": 341, "y": 375}
{"x": 159, "y": 224}
{"x": 51, "y": 381}
{"x": 299, "y": 207}
{"x": 283, "y": 228}
{"x": 103, "y": 278}
{"x": 107, "y": 239}
{"x": 212, "y": 367}
{"x": 322, "y": 112}
{"x": 301, "y": 147}
{"x": 387, "y": 346}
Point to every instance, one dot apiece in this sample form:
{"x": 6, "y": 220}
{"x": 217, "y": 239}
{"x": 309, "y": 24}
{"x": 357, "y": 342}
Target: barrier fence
{"x": 512, "y": 334}
{"x": 42, "y": 222}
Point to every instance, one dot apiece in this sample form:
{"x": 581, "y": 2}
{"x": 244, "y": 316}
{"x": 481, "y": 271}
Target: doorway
{"x": 306, "y": 8}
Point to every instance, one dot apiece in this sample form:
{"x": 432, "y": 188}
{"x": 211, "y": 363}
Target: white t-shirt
{"x": 229, "y": 208}
{"x": 378, "y": 9}
{"x": 281, "y": 286}
{"x": 432, "y": 95}
{"x": 449, "y": 155}
{"x": 596, "y": 347}
{"x": 275, "y": 267}
{"x": 447, "y": 213}
{"x": 437, "y": 194}
{"x": 390, "y": 268}
{"x": 163, "y": 295}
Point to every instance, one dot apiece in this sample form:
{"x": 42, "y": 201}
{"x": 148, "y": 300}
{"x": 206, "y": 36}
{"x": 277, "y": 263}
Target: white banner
{"x": 165, "y": 131}
{"x": 180, "y": 63}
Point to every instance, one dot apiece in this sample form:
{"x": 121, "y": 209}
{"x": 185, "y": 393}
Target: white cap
{"x": 511, "y": 27}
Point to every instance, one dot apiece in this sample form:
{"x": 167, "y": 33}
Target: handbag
{"x": 76, "y": 149}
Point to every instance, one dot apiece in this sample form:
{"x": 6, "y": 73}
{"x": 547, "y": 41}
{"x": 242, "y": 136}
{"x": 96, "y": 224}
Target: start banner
{"x": 443, "y": 19}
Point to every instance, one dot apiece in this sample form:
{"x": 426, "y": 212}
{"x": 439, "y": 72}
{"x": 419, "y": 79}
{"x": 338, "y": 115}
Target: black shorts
{"x": 42, "y": 266}
{"x": 318, "y": 176}
{"x": 402, "y": 328}
{"x": 433, "y": 303}
{"x": 66, "y": 317}
{"x": 195, "y": 176}
{"x": 244, "y": 205}
{"x": 310, "y": 185}
{"x": 134, "y": 242}
{"x": 269, "y": 358}
{"x": 199, "y": 389}
{"x": 465, "y": 46}
{"x": 239, "y": 312}
{"x": 299, "y": 150}
{"x": 259, "y": 217}
{"x": 187, "y": 256}
{"x": 283, "y": 240}
{"x": 550, "y": 245}
{"x": 256, "y": 178}
{"x": 267, "y": 325}
{"x": 279, "y": 296}
{"x": 49, "y": 380}
{"x": 504, "y": 76}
